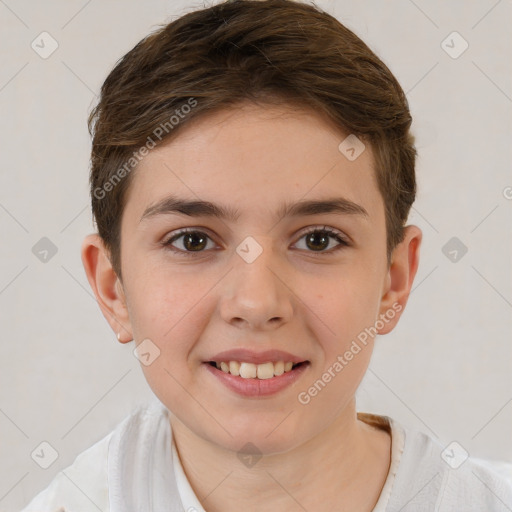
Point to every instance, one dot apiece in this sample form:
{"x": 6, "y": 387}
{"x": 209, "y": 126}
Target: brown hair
{"x": 272, "y": 51}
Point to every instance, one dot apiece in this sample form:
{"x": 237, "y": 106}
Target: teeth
{"x": 234, "y": 368}
{"x": 253, "y": 371}
{"x": 278, "y": 368}
{"x": 248, "y": 370}
{"x": 265, "y": 370}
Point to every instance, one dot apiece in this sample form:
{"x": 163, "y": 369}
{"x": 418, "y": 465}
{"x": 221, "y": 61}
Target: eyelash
{"x": 336, "y": 235}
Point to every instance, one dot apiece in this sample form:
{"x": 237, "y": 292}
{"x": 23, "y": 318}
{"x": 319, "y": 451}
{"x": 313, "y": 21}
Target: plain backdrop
{"x": 446, "y": 369}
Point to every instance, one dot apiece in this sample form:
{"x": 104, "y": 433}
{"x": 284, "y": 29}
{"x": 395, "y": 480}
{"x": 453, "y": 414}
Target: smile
{"x": 255, "y": 380}
{"x": 255, "y": 371}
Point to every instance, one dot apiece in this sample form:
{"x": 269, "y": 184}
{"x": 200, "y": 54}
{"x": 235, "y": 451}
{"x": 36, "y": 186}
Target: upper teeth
{"x": 253, "y": 371}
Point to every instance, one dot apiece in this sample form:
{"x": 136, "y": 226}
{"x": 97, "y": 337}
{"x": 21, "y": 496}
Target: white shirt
{"x": 137, "y": 468}
{"x": 192, "y": 504}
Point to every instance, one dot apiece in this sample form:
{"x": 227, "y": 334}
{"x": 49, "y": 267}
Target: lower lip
{"x": 257, "y": 387}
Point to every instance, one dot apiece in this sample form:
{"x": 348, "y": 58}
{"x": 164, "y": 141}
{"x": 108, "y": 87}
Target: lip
{"x": 257, "y": 388}
{"x": 250, "y": 356}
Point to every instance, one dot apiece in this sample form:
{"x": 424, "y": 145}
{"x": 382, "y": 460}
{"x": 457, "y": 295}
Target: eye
{"x": 319, "y": 239}
{"x": 191, "y": 241}
{"x": 186, "y": 242}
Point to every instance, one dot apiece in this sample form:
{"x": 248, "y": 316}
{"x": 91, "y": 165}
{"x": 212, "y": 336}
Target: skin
{"x": 311, "y": 303}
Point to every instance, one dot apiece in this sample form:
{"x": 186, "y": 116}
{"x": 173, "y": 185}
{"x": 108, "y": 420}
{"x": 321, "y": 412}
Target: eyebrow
{"x": 198, "y": 208}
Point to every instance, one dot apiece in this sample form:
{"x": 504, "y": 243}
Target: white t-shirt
{"x": 137, "y": 468}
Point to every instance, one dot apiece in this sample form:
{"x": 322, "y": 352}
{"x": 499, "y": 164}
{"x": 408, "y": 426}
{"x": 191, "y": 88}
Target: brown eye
{"x": 318, "y": 240}
{"x": 194, "y": 241}
{"x": 188, "y": 241}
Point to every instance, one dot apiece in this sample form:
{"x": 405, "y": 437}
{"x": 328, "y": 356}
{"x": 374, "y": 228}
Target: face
{"x": 293, "y": 272}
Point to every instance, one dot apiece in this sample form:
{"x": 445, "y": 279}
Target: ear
{"x": 107, "y": 287}
{"x": 404, "y": 264}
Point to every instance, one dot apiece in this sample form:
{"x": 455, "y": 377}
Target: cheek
{"x": 348, "y": 304}
{"x": 172, "y": 310}
{"x": 347, "y": 310}
{"x": 169, "y": 312}
{"x": 162, "y": 301}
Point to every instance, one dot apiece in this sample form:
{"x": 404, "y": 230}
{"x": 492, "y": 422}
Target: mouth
{"x": 255, "y": 374}
{"x": 262, "y": 371}
{"x": 260, "y": 378}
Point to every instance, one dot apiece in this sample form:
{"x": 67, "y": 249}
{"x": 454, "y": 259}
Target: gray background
{"x": 446, "y": 368}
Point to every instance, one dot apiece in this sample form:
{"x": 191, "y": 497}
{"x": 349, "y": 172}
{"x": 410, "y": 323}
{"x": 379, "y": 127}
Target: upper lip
{"x": 250, "y": 356}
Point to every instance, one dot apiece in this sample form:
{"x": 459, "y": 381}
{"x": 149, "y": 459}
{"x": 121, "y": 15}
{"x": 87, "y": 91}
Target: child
{"x": 252, "y": 174}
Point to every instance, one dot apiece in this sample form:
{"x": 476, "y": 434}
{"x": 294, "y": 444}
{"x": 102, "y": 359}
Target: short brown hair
{"x": 267, "y": 51}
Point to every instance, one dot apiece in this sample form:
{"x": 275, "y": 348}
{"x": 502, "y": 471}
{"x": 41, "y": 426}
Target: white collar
{"x": 187, "y": 495}
{"x": 140, "y": 469}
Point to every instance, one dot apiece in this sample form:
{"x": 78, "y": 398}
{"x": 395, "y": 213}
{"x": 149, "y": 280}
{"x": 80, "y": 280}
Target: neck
{"x": 344, "y": 467}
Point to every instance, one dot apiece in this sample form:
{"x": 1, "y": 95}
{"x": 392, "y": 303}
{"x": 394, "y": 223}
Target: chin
{"x": 266, "y": 436}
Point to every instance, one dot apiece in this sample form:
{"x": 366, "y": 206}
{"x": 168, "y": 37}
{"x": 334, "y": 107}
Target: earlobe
{"x": 106, "y": 286}
{"x": 400, "y": 277}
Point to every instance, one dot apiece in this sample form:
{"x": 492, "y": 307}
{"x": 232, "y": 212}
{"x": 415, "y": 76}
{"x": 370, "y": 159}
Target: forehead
{"x": 255, "y": 158}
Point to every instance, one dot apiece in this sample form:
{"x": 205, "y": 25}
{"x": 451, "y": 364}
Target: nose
{"x": 256, "y": 295}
